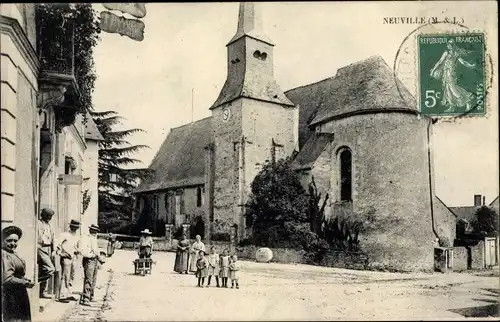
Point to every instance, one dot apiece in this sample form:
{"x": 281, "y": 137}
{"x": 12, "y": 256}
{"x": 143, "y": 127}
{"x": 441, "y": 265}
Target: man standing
{"x": 45, "y": 250}
{"x": 91, "y": 256}
{"x": 67, "y": 250}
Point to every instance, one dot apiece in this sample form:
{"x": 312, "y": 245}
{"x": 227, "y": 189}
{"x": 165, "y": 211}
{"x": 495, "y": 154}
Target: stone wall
{"x": 478, "y": 255}
{"x": 390, "y": 179}
{"x": 260, "y": 123}
{"x": 460, "y": 259}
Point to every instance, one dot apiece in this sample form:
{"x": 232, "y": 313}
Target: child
{"x": 201, "y": 268}
{"x": 233, "y": 268}
{"x": 224, "y": 267}
{"x": 213, "y": 266}
{"x": 145, "y": 244}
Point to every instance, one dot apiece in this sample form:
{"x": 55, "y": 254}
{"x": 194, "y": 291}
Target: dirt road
{"x": 295, "y": 292}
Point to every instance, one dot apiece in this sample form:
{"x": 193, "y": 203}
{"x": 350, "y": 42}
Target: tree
{"x": 316, "y": 209}
{"x": 277, "y": 209}
{"x": 116, "y": 182}
{"x": 486, "y": 221}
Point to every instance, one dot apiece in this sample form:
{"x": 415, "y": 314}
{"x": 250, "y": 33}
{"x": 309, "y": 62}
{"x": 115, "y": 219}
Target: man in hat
{"x": 89, "y": 249}
{"x": 67, "y": 250}
{"x": 45, "y": 250}
{"x": 145, "y": 244}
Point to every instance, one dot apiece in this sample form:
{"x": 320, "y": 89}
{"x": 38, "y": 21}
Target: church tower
{"x": 252, "y": 119}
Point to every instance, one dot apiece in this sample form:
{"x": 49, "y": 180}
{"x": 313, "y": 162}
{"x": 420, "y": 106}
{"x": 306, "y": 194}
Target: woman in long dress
{"x": 15, "y": 300}
{"x": 445, "y": 70}
{"x": 182, "y": 256}
{"x": 194, "y": 252}
{"x": 111, "y": 245}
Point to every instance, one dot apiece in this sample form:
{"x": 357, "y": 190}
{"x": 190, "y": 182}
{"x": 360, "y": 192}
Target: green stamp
{"x": 451, "y": 74}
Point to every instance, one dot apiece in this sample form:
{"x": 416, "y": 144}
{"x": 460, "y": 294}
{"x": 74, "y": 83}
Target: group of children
{"x": 225, "y": 267}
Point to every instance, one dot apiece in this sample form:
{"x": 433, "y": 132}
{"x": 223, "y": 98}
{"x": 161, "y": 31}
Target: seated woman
{"x": 145, "y": 244}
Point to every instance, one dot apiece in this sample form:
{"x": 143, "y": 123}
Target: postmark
{"x": 451, "y": 74}
{"x": 407, "y": 70}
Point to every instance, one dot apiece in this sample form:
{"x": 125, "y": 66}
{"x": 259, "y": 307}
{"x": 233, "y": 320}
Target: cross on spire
{"x": 250, "y": 23}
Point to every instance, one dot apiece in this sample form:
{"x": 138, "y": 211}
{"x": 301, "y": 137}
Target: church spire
{"x": 250, "y": 71}
{"x": 250, "y": 24}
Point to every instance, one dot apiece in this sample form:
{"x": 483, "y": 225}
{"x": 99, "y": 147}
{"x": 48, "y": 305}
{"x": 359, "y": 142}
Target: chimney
{"x": 477, "y": 200}
{"x": 484, "y": 201}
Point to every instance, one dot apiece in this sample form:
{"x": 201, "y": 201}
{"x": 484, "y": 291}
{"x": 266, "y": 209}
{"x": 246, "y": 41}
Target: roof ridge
{"x": 191, "y": 123}
{"x": 375, "y": 57}
{"x": 310, "y": 84}
{"x": 371, "y": 58}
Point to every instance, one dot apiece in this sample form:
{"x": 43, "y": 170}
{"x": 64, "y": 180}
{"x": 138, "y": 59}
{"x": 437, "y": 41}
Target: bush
{"x": 245, "y": 242}
{"x": 486, "y": 221}
{"x": 277, "y": 204}
{"x": 316, "y": 251}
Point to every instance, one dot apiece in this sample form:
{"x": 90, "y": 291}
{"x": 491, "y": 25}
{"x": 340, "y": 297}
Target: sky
{"x": 150, "y": 83}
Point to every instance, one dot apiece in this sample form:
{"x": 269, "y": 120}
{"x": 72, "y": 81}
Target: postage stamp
{"x": 451, "y": 78}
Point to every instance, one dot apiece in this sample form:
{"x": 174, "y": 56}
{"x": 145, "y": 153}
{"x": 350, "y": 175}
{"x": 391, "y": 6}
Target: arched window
{"x": 198, "y": 197}
{"x": 345, "y": 175}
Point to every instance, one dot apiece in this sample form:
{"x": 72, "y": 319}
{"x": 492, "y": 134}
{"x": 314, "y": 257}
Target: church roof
{"x": 366, "y": 85}
{"x": 311, "y": 151}
{"x": 308, "y": 98}
{"x": 180, "y": 161}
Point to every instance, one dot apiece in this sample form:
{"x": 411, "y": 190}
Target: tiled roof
{"x": 362, "y": 86}
{"x": 466, "y": 212}
{"x": 308, "y": 98}
{"x": 180, "y": 161}
{"x": 311, "y": 151}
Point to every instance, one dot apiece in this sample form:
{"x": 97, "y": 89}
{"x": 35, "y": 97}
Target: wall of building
{"x": 173, "y": 206}
{"x": 225, "y": 134}
{"x": 390, "y": 160}
{"x": 90, "y": 172}
{"x": 321, "y": 171}
{"x": 260, "y": 123}
{"x": 445, "y": 221}
{"x": 19, "y": 136}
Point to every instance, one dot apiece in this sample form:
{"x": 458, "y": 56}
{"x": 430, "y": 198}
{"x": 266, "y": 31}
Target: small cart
{"x": 143, "y": 266}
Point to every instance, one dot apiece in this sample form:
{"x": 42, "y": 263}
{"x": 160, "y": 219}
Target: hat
{"x": 146, "y": 231}
{"x": 47, "y": 212}
{"x": 7, "y": 231}
{"x": 94, "y": 227}
{"x": 74, "y": 223}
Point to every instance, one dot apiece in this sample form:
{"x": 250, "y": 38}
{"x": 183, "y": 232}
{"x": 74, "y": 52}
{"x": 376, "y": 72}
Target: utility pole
{"x": 192, "y": 105}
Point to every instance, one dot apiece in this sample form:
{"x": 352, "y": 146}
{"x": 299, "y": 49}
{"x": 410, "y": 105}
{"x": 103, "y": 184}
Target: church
{"x": 358, "y": 133}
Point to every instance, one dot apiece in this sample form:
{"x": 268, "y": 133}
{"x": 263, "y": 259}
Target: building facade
{"x": 43, "y": 144}
{"x": 344, "y": 131}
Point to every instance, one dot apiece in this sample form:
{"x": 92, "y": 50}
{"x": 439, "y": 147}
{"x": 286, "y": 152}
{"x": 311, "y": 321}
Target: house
{"x": 472, "y": 249}
{"x": 466, "y": 214}
{"x": 43, "y": 131}
{"x": 345, "y": 130}
{"x": 91, "y": 171}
